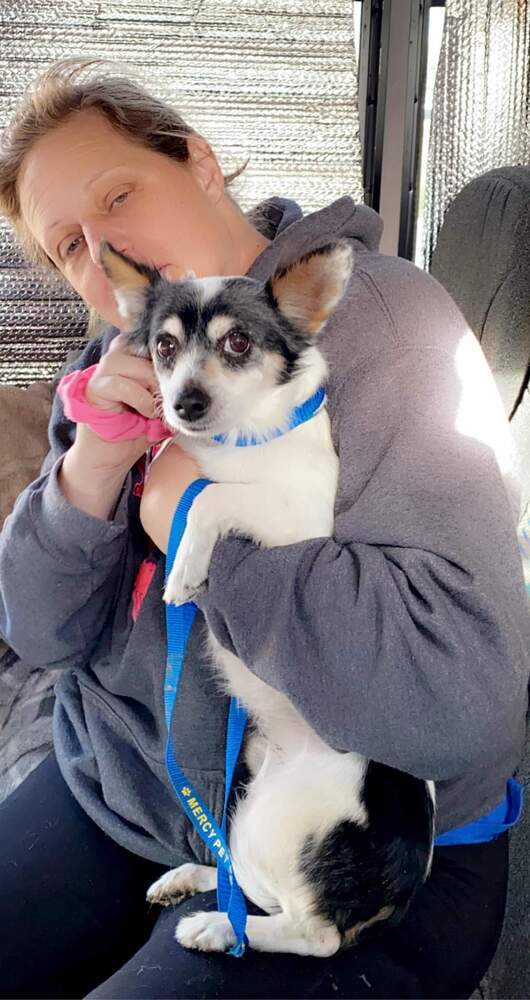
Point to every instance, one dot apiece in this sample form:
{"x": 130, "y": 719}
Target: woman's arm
{"x": 62, "y": 547}
{"x": 170, "y": 474}
{"x": 405, "y": 637}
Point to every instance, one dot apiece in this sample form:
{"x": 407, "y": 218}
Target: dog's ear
{"x": 307, "y": 291}
{"x": 130, "y": 281}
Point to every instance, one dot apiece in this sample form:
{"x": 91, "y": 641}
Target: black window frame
{"x": 372, "y": 84}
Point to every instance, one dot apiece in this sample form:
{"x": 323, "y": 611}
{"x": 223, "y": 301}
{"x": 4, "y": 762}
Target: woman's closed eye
{"x": 115, "y": 200}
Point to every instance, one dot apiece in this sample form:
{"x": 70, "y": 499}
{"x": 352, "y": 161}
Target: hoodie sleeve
{"x": 59, "y": 567}
{"x": 405, "y": 637}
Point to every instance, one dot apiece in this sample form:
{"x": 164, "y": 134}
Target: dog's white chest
{"x": 294, "y": 479}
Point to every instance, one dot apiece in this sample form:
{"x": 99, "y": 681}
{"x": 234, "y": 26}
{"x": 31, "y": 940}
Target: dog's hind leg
{"x": 212, "y": 931}
{"x": 179, "y": 883}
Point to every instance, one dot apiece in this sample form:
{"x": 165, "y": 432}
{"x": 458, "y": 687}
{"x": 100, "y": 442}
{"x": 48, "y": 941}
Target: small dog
{"x": 327, "y": 843}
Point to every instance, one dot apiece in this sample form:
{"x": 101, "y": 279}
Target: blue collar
{"x": 298, "y": 416}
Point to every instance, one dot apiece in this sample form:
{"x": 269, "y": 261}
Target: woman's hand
{"x": 121, "y": 381}
{"x": 170, "y": 474}
{"x": 93, "y": 471}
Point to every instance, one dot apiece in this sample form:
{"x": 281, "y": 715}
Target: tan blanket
{"x": 26, "y": 693}
{"x": 24, "y": 416}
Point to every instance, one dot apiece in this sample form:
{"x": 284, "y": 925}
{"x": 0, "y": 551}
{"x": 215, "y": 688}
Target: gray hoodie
{"x": 405, "y": 637}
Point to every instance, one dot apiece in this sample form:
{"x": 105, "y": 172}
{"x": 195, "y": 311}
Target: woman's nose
{"x": 94, "y": 234}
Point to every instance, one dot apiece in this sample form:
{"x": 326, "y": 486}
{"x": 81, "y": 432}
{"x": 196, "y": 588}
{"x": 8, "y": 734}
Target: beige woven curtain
{"x": 481, "y": 107}
{"x": 273, "y": 80}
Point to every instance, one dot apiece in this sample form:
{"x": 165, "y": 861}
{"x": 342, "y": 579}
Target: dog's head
{"x": 221, "y": 346}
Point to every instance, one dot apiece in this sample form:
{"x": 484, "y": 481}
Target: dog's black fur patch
{"x": 355, "y": 872}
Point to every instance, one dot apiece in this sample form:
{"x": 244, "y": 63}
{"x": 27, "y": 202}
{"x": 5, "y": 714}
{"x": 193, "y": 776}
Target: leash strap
{"x": 179, "y": 621}
{"x": 488, "y": 827}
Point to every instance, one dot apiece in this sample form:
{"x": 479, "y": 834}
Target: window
{"x": 434, "y": 41}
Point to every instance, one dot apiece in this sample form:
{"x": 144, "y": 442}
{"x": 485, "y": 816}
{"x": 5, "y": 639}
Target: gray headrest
{"x": 482, "y": 258}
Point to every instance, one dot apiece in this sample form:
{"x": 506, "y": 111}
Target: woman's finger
{"x": 118, "y": 392}
{"x": 119, "y": 361}
{"x": 131, "y": 367}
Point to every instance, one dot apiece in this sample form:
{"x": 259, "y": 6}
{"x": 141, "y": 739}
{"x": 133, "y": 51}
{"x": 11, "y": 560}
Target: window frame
{"x": 378, "y": 33}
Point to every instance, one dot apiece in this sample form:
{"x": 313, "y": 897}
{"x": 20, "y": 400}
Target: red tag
{"x": 141, "y": 586}
{"x": 138, "y": 487}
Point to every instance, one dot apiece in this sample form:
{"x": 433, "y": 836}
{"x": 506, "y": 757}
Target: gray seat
{"x": 483, "y": 260}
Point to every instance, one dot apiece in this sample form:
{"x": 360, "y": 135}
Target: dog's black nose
{"x": 192, "y": 404}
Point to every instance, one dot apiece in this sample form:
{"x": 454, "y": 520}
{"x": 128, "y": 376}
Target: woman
{"x": 405, "y": 637}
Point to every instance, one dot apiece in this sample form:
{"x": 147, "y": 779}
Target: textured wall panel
{"x": 273, "y": 80}
{"x": 481, "y": 107}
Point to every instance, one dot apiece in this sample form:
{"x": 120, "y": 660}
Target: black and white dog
{"x": 326, "y": 843}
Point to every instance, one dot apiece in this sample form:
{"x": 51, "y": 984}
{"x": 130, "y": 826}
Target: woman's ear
{"x": 205, "y": 168}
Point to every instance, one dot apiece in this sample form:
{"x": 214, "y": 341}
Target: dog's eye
{"x": 236, "y": 343}
{"x": 166, "y": 346}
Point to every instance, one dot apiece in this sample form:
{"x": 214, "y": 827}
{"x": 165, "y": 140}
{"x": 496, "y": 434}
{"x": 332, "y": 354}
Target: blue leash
{"x": 179, "y": 621}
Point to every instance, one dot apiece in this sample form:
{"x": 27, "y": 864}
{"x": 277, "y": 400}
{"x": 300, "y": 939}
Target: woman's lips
{"x": 172, "y": 272}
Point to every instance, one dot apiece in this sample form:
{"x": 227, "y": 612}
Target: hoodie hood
{"x": 294, "y": 234}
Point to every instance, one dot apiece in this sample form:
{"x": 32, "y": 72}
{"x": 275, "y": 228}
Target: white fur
{"x": 174, "y": 382}
{"x": 208, "y": 288}
{"x": 173, "y": 326}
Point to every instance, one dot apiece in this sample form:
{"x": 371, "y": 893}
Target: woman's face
{"x": 85, "y": 182}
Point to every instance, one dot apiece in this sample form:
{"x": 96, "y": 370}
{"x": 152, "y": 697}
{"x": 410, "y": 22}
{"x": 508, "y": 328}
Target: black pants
{"x": 74, "y": 922}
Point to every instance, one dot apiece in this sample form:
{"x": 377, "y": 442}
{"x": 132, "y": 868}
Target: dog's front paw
{"x": 206, "y": 931}
{"x": 173, "y": 886}
{"x": 192, "y": 561}
{"x": 179, "y": 589}
{"x": 190, "y": 569}
{"x": 179, "y": 883}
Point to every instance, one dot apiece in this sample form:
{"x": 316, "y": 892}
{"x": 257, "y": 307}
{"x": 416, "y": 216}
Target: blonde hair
{"x": 70, "y": 86}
